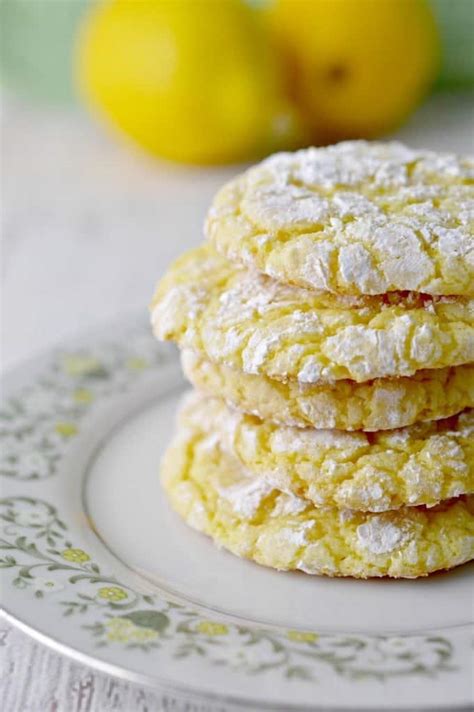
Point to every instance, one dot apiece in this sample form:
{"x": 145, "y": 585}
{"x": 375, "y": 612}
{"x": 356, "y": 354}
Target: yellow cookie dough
{"x": 376, "y": 405}
{"x": 253, "y": 323}
{"x": 355, "y": 218}
{"x": 215, "y": 495}
{"x": 375, "y": 472}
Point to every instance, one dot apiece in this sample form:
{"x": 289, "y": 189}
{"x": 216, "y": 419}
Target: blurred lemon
{"x": 188, "y": 80}
{"x": 356, "y": 67}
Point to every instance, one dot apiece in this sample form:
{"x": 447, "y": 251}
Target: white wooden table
{"x": 88, "y": 228}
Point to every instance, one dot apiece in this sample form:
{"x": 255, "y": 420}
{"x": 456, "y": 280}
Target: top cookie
{"x": 355, "y": 218}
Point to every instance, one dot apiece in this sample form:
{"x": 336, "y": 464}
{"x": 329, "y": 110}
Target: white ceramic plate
{"x": 96, "y": 564}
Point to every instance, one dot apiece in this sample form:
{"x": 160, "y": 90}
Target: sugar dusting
{"x": 365, "y": 216}
{"x": 380, "y": 536}
{"x": 246, "y": 496}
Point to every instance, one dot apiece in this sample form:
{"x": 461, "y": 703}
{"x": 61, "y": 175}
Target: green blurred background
{"x": 37, "y": 39}
{"x": 167, "y": 80}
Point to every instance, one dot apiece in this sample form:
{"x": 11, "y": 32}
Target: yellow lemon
{"x": 188, "y": 80}
{"x": 356, "y": 67}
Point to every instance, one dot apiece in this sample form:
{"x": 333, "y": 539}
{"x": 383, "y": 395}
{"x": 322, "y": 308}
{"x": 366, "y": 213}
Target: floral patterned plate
{"x": 96, "y": 565}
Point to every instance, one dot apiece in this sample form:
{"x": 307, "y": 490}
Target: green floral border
{"x": 36, "y": 429}
{"x": 41, "y": 559}
{"x": 38, "y": 425}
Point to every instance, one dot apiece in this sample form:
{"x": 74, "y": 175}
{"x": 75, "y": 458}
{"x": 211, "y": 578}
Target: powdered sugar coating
{"x": 245, "y": 496}
{"x": 250, "y": 322}
{"x": 380, "y": 536}
{"x": 377, "y": 405}
{"x": 355, "y": 218}
{"x": 422, "y": 464}
{"x": 409, "y": 542}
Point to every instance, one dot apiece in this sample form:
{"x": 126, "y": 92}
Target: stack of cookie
{"x": 328, "y": 326}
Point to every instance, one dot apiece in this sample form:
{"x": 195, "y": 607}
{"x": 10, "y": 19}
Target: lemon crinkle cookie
{"x": 421, "y": 464}
{"x": 355, "y": 218}
{"x": 253, "y": 323}
{"x": 246, "y": 515}
{"x": 335, "y": 294}
{"x": 376, "y": 405}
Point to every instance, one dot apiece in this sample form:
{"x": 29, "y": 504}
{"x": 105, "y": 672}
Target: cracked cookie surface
{"x": 381, "y": 404}
{"x": 423, "y": 464}
{"x": 354, "y": 218}
{"x": 250, "y": 322}
{"x": 215, "y": 495}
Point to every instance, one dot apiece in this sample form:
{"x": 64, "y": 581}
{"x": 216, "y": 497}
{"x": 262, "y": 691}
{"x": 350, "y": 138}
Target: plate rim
{"x": 161, "y": 684}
